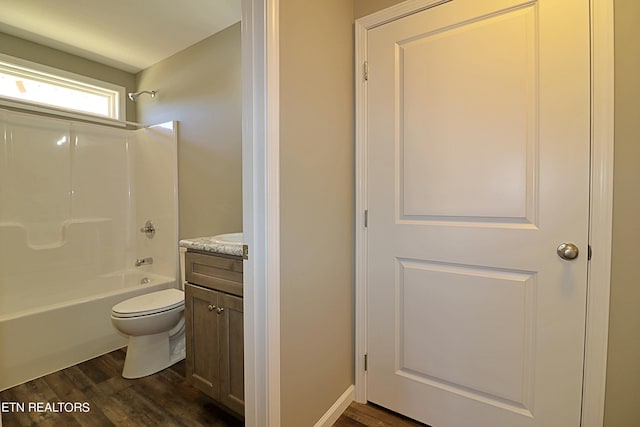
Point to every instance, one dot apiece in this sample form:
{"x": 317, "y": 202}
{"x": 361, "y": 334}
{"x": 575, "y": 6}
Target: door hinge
{"x": 366, "y": 361}
{"x": 245, "y": 252}
{"x": 589, "y": 253}
{"x": 366, "y": 218}
{"x": 365, "y": 69}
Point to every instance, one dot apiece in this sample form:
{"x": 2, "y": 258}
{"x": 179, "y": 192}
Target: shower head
{"x": 134, "y": 95}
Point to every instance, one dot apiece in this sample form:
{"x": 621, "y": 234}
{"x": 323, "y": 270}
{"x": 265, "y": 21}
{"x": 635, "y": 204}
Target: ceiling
{"x": 130, "y": 35}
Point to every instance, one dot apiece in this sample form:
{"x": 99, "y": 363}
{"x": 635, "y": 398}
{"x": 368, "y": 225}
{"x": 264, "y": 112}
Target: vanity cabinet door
{"x": 232, "y": 352}
{"x": 202, "y": 337}
{"x": 214, "y": 321}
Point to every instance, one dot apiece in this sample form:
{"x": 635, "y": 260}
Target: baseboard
{"x": 332, "y": 415}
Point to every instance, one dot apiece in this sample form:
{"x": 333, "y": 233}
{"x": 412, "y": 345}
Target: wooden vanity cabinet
{"x": 214, "y": 322}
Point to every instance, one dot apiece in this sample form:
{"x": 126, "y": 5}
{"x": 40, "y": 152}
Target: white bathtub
{"x": 38, "y": 341}
{"x": 73, "y": 198}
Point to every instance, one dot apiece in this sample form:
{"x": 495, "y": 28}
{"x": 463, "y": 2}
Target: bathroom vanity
{"x": 214, "y": 322}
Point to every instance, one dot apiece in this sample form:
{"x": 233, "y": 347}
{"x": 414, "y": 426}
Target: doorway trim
{"x": 601, "y": 205}
{"x": 261, "y": 216}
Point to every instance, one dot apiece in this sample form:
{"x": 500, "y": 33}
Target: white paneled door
{"x": 478, "y": 127}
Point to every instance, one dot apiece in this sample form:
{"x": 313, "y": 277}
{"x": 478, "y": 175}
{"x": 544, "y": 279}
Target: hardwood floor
{"x": 103, "y": 398}
{"x": 162, "y": 399}
{"x": 359, "y": 415}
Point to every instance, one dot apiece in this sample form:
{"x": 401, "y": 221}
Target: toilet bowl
{"x": 154, "y": 323}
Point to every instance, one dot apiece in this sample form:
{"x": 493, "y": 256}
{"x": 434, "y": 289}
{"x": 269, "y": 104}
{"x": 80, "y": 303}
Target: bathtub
{"x": 74, "y": 200}
{"x": 54, "y": 336}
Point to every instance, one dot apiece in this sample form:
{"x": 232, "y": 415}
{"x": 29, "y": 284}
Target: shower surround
{"x": 73, "y": 198}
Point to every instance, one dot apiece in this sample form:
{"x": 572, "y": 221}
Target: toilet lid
{"x": 154, "y": 302}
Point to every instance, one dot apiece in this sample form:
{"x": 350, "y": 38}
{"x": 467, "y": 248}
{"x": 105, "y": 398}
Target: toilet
{"x": 154, "y": 323}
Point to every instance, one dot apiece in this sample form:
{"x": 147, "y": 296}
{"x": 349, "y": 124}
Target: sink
{"x": 227, "y": 239}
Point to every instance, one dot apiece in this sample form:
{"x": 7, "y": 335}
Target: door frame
{"x": 261, "y": 216}
{"x": 601, "y": 196}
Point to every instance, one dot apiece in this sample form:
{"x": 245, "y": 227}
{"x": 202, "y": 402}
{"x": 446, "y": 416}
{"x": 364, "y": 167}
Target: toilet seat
{"x": 147, "y": 304}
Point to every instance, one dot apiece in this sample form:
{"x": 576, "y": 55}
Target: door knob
{"x": 568, "y": 251}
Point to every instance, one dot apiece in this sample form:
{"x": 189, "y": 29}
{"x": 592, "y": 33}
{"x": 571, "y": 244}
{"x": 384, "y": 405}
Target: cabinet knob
{"x": 220, "y": 310}
{"x": 211, "y": 307}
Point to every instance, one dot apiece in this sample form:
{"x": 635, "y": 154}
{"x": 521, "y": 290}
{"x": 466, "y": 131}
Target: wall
{"x": 34, "y": 52}
{"x": 201, "y": 87}
{"x": 623, "y": 368}
{"x": 316, "y": 206}
{"x": 365, "y": 7}
{"x": 316, "y": 203}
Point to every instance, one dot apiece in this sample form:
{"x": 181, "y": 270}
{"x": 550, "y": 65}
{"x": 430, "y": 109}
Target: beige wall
{"x": 201, "y": 87}
{"x": 622, "y": 402}
{"x": 316, "y": 207}
{"x": 34, "y": 52}
{"x": 365, "y": 7}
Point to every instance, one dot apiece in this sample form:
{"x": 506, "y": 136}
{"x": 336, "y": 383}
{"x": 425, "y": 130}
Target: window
{"x": 28, "y": 85}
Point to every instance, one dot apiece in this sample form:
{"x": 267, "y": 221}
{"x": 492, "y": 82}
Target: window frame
{"x": 35, "y": 71}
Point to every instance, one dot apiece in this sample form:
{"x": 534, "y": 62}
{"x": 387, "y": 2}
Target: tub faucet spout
{"x": 144, "y": 261}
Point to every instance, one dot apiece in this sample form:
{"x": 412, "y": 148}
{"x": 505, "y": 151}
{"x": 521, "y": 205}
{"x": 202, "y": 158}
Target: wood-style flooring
{"x": 162, "y": 399}
{"x": 359, "y": 415}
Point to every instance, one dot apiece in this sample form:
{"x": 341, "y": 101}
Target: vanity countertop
{"x": 213, "y": 244}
